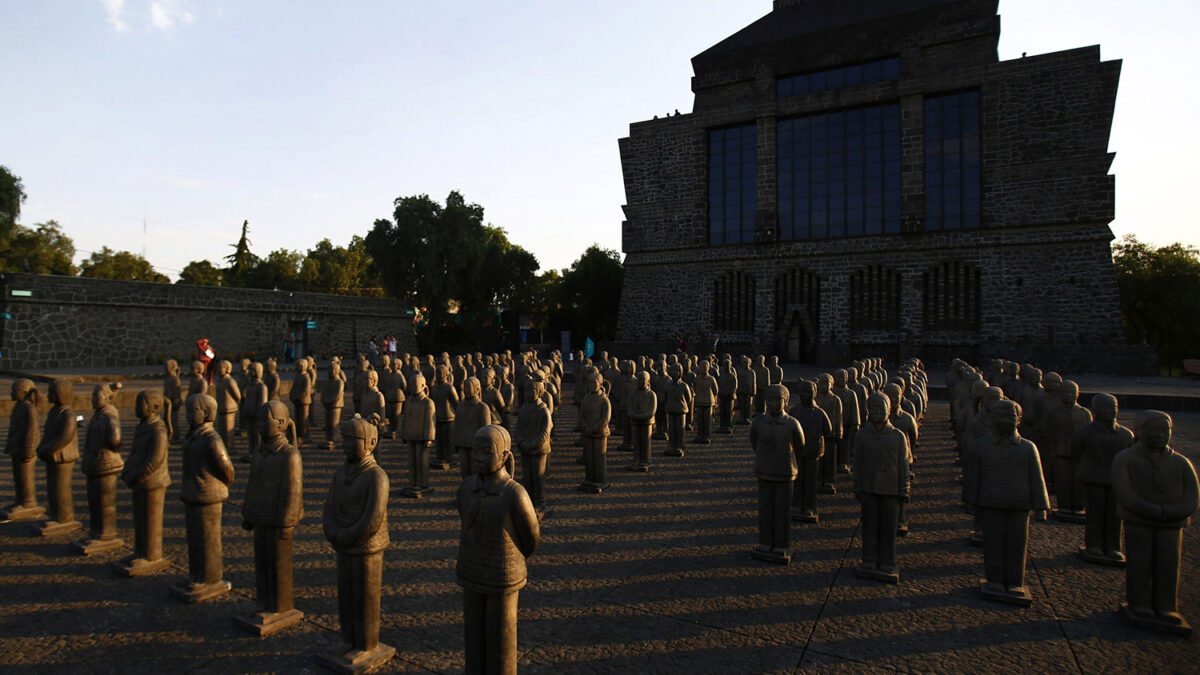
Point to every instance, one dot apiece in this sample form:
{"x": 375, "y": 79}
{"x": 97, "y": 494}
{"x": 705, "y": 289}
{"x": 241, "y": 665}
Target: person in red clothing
{"x": 206, "y": 355}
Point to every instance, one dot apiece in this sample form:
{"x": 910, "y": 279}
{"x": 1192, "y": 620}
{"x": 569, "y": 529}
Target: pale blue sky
{"x": 309, "y": 118}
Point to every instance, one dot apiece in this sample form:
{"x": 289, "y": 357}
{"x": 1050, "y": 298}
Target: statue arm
{"x": 220, "y": 460}
{"x": 1124, "y": 492}
{"x": 903, "y": 460}
{"x": 526, "y": 532}
{"x": 112, "y": 432}
{"x": 374, "y": 513}
{"x": 291, "y": 507}
{"x": 1188, "y": 503}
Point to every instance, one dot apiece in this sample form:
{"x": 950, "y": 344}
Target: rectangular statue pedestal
{"x": 640, "y": 468}
{"x": 14, "y": 514}
{"x": 353, "y": 661}
{"x": 414, "y": 492}
{"x": 263, "y": 624}
{"x": 50, "y": 528}
{"x": 672, "y": 452}
{"x": 1116, "y": 559}
{"x": 866, "y": 571}
{"x": 975, "y": 538}
{"x": 724, "y": 430}
{"x": 1155, "y": 622}
{"x": 593, "y": 488}
{"x": 190, "y": 592}
{"x": 827, "y": 489}
{"x": 1070, "y": 517}
{"x": 140, "y": 567}
{"x": 777, "y": 556}
{"x": 93, "y": 546}
{"x": 996, "y": 592}
{"x": 439, "y": 464}
{"x": 805, "y": 517}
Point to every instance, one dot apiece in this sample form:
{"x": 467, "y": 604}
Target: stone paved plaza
{"x": 655, "y": 575}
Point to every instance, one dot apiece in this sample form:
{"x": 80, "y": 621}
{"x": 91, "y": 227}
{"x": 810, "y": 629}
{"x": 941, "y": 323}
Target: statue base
{"x": 140, "y": 567}
{"x": 975, "y": 538}
{"x": 50, "y": 528}
{"x": 415, "y": 492}
{"x": 673, "y": 452}
{"x": 779, "y": 556}
{"x": 190, "y": 592}
{"x": 640, "y": 468}
{"x": 593, "y": 488}
{"x": 799, "y": 516}
{"x": 1113, "y": 559}
{"x": 263, "y": 624}
{"x": 91, "y": 546}
{"x": 724, "y": 430}
{"x": 827, "y": 489}
{"x": 1151, "y": 621}
{"x": 1013, "y": 596}
{"x": 439, "y": 464}
{"x": 353, "y": 661}
{"x": 1070, "y": 516}
{"x": 866, "y": 571}
{"x": 16, "y": 513}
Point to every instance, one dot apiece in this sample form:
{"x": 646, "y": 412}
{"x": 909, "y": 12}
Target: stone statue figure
{"x": 1156, "y": 492}
{"x": 643, "y": 409}
{"x": 419, "y": 429}
{"x": 207, "y": 474}
{"x": 706, "y": 392}
{"x": 470, "y": 416}
{"x": 727, "y": 384}
{"x": 1095, "y": 446}
{"x": 978, "y": 426}
{"x": 831, "y": 403}
{"x": 271, "y": 381}
{"x": 101, "y": 463}
{"x": 747, "y": 385}
{"x": 242, "y": 378}
{"x": 775, "y": 438}
{"x": 301, "y": 397}
{"x": 678, "y": 401}
{"x": 172, "y": 393}
{"x": 21, "y": 445}
{"x": 333, "y": 399}
{"x": 374, "y": 406}
{"x": 852, "y": 415}
{"x": 393, "y": 385}
{"x": 198, "y": 384}
{"x": 533, "y": 439}
{"x": 1008, "y": 486}
{"x": 499, "y": 531}
{"x": 881, "y": 482}
{"x": 229, "y": 397}
{"x": 146, "y": 475}
{"x": 253, "y": 399}
{"x": 595, "y": 412}
{"x": 59, "y": 449}
{"x": 816, "y": 426}
{"x": 762, "y": 380}
{"x": 1061, "y": 420}
{"x": 623, "y": 384}
{"x": 272, "y": 508}
{"x": 445, "y": 402}
{"x": 355, "y": 523}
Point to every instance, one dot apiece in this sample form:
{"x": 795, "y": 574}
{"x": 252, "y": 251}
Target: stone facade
{"x": 1035, "y": 278}
{"x": 60, "y": 322}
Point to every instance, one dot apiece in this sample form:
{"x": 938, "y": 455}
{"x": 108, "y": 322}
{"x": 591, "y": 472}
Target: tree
{"x": 241, "y": 261}
{"x": 1160, "y": 296}
{"x": 123, "y": 265}
{"x": 589, "y": 294}
{"x": 346, "y": 270}
{"x": 12, "y": 195}
{"x": 43, "y": 249}
{"x": 200, "y": 273}
{"x": 280, "y": 270}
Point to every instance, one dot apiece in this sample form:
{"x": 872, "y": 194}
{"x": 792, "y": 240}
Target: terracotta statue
{"x": 393, "y": 385}
{"x": 623, "y": 384}
{"x": 21, "y": 445}
{"x": 470, "y": 416}
{"x": 207, "y": 474}
{"x": 173, "y": 394}
{"x": 199, "y": 381}
{"x": 978, "y": 426}
{"x": 419, "y": 430}
{"x": 146, "y": 474}
{"x": 907, "y": 423}
{"x": 1156, "y": 494}
{"x": 1060, "y": 422}
{"x": 643, "y": 406}
{"x": 678, "y": 401}
{"x": 831, "y": 403}
{"x": 727, "y": 385}
{"x": 271, "y": 381}
{"x": 775, "y": 438}
{"x": 374, "y": 407}
{"x": 253, "y": 398}
{"x": 881, "y": 482}
{"x": 101, "y": 464}
{"x": 1009, "y": 485}
{"x": 706, "y": 392}
{"x": 595, "y": 412}
{"x": 499, "y": 531}
{"x": 774, "y": 370}
{"x": 242, "y": 378}
{"x": 852, "y": 415}
{"x": 333, "y": 399}
{"x": 301, "y": 397}
{"x": 492, "y": 396}
{"x": 1095, "y": 446}
{"x": 445, "y": 401}
{"x": 229, "y": 396}
{"x": 747, "y": 385}
{"x": 533, "y": 439}
{"x": 816, "y": 426}
{"x": 59, "y": 449}
{"x": 355, "y": 523}
{"x": 762, "y": 380}
{"x": 272, "y": 507}
{"x": 660, "y": 382}
{"x": 360, "y": 381}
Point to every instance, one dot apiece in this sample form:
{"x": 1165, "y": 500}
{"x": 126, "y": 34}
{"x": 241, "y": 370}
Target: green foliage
{"x": 122, "y": 265}
{"x": 200, "y": 273}
{"x": 1160, "y": 296}
{"x": 280, "y": 270}
{"x": 344, "y": 271}
{"x": 43, "y": 249}
{"x": 241, "y": 261}
{"x": 12, "y": 194}
{"x": 587, "y": 297}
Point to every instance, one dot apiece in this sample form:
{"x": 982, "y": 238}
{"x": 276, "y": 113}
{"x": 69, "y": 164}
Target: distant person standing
{"x": 206, "y": 355}
{"x": 373, "y": 352}
{"x": 391, "y": 347}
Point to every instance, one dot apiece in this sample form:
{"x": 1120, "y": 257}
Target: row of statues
{"x": 1020, "y": 431}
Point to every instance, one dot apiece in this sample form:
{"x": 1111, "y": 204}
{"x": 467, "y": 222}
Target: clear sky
{"x": 309, "y": 118}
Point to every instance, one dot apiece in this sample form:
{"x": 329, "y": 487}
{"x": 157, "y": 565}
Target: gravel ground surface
{"x": 654, "y": 575}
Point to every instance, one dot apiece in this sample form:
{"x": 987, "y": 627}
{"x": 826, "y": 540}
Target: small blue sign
{"x": 311, "y": 325}
{"x": 589, "y": 348}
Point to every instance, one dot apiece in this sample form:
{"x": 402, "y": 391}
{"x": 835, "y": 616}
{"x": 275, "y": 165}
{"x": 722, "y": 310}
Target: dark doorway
{"x": 797, "y": 340}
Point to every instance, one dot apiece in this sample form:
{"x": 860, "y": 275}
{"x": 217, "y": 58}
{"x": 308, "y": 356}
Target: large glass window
{"x": 732, "y": 184}
{"x": 952, "y": 162}
{"x": 837, "y": 78}
{"x": 839, "y": 174}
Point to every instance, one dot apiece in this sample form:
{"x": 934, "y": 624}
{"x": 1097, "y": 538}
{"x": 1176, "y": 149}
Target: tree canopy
{"x": 42, "y": 249}
{"x": 12, "y": 195}
{"x": 1160, "y": 296}
{"x": 109, "y": 264}
{"x": 588, "y": 295}
{"x": 200, "y": 273}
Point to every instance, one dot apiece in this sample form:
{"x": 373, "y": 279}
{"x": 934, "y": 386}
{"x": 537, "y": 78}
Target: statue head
{"x": 60, "y": 392}
{"x": 149, "y": 402}
{"x": 839, "y": 378}
{"x": 592, "y": 383}
{"x": 824, "y": 383}
{"x": 273, "y": 419}
{"x": 675, "y": 371}
{"x": 245, "y": 365}
{"x": 1154, "y": 430}
{"x": 776, "y": 399}
{"x": 1006, "y": 415}
{"x": 472, "y": 389}
{"x": 760, "y": 360}
{"x": 534, "y": 389}
{"x": 197, "y": 368}
{"x": 272, "y": 364}
{"x": 879, "y": 408}
{"x": 385, "y": 362}
{"x": 852, "y": 375}
{"x": 643, "y": 381}
{"x": 102, "y": 394}
{"x": 225, "y": 367}
{"x": 1068, "y": 393}
{"x": 492, "y": 450}
{"x": 23, "y": 389}
{"x": 892, "y": 391}
{"x": 1051, "y": 381}
{"x": 417, "y": 386}
{"x": 704, "y": 367}
{"x": 372, "y": 380}
{"x": 806, "y": 391}
{"x": 200, "y": 409}
{"x": 171, "y": 366}
{"x": 359, "y": 438}
{"x": 1104, "y": 408}
{"x": 256, "y": 371}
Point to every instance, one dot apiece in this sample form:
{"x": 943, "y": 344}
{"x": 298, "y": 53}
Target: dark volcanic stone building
{"x": 867, "y": 177}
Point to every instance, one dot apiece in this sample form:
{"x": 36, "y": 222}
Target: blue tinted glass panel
{"x": 732, "y": 184}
